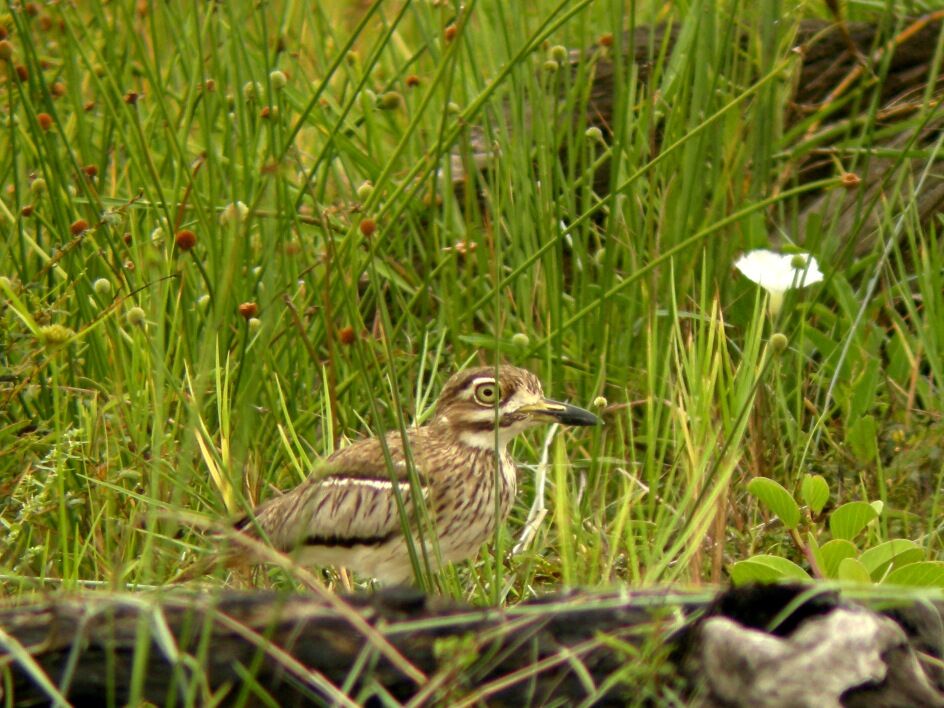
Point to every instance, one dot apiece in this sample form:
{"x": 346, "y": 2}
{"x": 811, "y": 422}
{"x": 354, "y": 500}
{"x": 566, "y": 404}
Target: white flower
{"x": 779, "y": 272}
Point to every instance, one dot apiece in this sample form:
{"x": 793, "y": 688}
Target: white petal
{"x": 776, "y": 273}
{"x": 809, "y": 273}
{"x": 757, "y": 266}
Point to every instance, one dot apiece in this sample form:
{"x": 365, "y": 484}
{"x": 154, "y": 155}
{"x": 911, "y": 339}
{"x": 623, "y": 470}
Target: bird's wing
{"x": 351, "y": 502}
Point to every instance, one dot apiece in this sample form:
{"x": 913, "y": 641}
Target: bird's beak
{"x": 549, "y": 411}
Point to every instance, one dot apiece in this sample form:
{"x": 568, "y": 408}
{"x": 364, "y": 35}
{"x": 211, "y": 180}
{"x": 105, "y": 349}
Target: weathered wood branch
{"x": 607, "y": 648}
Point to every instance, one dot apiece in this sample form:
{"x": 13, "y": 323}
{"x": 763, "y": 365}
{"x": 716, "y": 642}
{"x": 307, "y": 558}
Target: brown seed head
{"x": 22, "y": 72}
{"x": 78, "y": 226}
{"x": 606, "y": 39}
{"x": 131, "y": 98}
{"x": 57, "y": 89}
{"x": 6, "y": 49}
{"x": 346, "y": 335}
{"x": 850, "y": 180}
{"x": 368, "y": 227}
{"x": 450, "y": 31}
{"x": 44, "y": 120}
{"x": 412, "y": 80}
{"x": 185, "y": 239}
{"x": 90, "y": 170}
{"x": 27, "y": 210}
{"x": 248, "y": 310}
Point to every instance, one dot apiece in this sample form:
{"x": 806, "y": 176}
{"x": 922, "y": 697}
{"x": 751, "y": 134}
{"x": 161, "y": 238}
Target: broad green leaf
{"x": 878, "y": 506}
{"x": 773, "y": 495}
{"x": 833, "y": 553}
{"x": 748, "y": 571}
{"x": 925, "y": 574}
{"x": 852, "y": 571}
{"x": 814, "y": 491}
{"x": 861, "y": 437}
{"x": 849, "y": 519}
{"x": 899, "y": 552}
{"x": 765, "y": 569}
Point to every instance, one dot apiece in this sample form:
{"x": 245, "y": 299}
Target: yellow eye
{"x": 487, "y": 393}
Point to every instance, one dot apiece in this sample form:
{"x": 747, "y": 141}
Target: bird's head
{"x": 477, "y": 402}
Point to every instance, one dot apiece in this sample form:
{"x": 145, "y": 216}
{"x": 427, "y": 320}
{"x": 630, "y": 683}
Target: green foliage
{"x": 458, "y": 652}
{"x": 156, "y": 383}
{"x": 834, "y": 554}
{"x": 814, "y": 492}
{"x": 766, "y": 569}
{"x": 848, "y": 520}
{"x": 861, "y": 438}
{"x": 777, "y": 499}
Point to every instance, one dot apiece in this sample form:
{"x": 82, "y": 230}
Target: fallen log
{"x": 763, "y": 645}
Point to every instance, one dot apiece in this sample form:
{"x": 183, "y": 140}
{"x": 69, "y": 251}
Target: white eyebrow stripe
{"x": 483, "y": 379}
{"x": 469, "y": 390}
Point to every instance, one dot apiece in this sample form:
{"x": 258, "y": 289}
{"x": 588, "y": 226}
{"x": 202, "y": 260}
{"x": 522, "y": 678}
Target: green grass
{"x": 120, "y": 447}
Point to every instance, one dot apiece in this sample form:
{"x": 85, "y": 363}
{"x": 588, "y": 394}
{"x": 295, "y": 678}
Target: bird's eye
{"x": 487, "y": 394}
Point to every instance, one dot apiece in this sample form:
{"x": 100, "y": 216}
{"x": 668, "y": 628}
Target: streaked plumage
{"x": 347, "y": 515}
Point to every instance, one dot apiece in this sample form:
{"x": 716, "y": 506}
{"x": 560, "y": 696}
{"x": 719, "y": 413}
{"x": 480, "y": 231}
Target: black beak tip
{"x": 572, "y": 415}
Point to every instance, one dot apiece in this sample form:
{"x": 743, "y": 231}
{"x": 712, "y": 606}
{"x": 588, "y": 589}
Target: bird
{"x": 346, "y": 514}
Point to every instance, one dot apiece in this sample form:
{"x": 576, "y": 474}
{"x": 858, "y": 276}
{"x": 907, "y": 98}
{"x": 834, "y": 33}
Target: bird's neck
{"x": 478, "y": 438}
{"x": 484, "y": 439}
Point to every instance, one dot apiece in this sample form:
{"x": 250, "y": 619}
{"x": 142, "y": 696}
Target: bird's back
{"x": 347, "y": 513}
